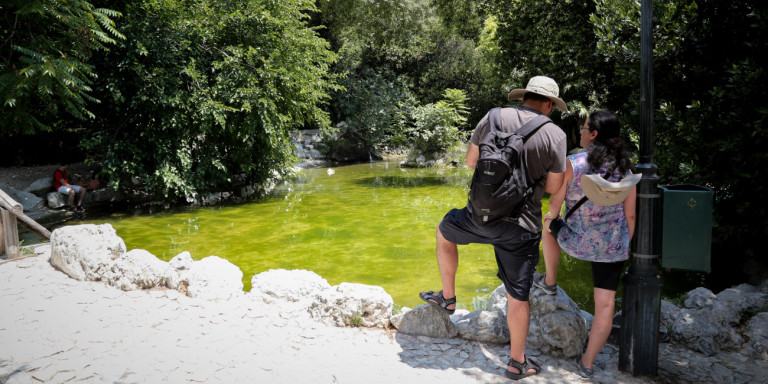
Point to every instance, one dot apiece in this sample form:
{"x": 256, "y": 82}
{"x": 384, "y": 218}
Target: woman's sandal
{"x": 584, "y": 372}
{"x": 522, "y": 368}
{"x": 438, "y": 299}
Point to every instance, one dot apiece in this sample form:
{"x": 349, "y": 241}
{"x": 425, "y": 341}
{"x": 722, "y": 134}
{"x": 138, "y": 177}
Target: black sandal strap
{"x": 438, "y": 299}
{"x": 522, "y": 368}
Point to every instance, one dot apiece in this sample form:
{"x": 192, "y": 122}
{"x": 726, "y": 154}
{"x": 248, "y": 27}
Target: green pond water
{"x": 366, "y": 223}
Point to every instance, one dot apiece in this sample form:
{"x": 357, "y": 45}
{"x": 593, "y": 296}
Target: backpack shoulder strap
{"x": 532, "y": 125}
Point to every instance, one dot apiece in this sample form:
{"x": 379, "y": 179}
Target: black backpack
{"x": 500, "y": 184}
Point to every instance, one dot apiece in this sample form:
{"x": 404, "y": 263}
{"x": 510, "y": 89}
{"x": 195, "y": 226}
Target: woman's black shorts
{"x": 607, "y": 275}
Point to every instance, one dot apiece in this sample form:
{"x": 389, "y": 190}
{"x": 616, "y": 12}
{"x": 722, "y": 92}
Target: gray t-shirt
{"x": 545, "y": 152}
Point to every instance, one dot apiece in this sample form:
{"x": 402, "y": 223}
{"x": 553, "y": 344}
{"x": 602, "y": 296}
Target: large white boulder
{"x": 293, "y": 285}
{"x": 212, "y": 278}
{"x": 86, "y": 252}
{"x": 349, "y": 304}
{"x": 139, "y": 269}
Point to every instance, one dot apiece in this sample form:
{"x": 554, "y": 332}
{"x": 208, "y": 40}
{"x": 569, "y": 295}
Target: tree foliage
{"x": 45, "y": 61}
{"x": 707, "y": 71}
{"x": 197, "y": 95}
{"x": 399, "y": 56}
{"x": 435, "y": 126}
{"x": 206, "y": 93}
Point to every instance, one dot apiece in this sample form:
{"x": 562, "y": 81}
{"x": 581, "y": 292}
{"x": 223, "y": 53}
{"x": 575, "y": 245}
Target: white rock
{"x": 557, "y": 327}
{"x": 458, "y": 315}
{"x": 397, "y": 318}
{"x": 27, "y": 200}
{"x": 86, "y": 252}
{"x": 212, "y": 278}
{"x": 498, "y": 300}
{"x": 349, "y": 304}
{"x": 699, "y": 298}
{"x": 484, "y": 326}
{"x": 757, "y": 332}
{"x": 138, "y": 269}
{"x": 294, "y": 285}
{"x": 40, "y": 186}
{"x": 182, "y": 261}
{"x": 55, "y": 200}
{"x": 427, "y": 320}
{"x": 669, "y": 314}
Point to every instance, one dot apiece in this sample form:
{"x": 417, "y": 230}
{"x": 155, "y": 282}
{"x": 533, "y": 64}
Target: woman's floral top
{"x": 593, "y": 233}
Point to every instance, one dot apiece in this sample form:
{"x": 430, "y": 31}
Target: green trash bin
{"x": 687, "y": 227}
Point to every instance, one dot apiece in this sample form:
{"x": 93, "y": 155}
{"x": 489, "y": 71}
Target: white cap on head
{"x": 541, "y": 85}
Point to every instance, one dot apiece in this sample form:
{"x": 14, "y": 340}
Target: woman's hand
{"x": 548, "y": 220}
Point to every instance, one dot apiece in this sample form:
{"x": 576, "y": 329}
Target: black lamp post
{"x": 639, "y": 343}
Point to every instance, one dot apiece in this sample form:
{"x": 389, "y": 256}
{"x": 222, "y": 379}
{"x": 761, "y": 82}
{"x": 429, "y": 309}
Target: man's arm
{"x": 558, "y": 167}
{"x": 473, "y": 153}
{"x": 554, "y": 182}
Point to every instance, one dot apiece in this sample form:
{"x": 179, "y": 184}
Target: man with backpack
{"x": 518, "y": 153}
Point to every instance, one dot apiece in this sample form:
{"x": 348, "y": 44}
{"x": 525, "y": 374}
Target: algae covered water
{"x": 366, "y": 223}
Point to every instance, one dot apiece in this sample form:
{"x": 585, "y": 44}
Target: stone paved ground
{"x": 54, "y": 329}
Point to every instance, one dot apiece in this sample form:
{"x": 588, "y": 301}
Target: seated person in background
{"x": 61, "y": 184}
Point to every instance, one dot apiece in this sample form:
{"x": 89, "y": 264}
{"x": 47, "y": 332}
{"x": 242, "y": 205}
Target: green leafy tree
{"x": 398, "y": 54}
{"x": 46, "y": 48}
{"x": 371, "y": 106}
{"x": 435, "y": 127}
{"x": 710, "y": 127}
{"x": 205, "y": 93}
{"x": 553, "y": 38}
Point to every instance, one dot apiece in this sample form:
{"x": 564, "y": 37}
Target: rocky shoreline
{"x": 55, "y": 328}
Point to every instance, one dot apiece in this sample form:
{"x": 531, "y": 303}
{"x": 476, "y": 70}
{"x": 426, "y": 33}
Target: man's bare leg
{"x": 518, "y": 313}
{"x": 448, "y": 262}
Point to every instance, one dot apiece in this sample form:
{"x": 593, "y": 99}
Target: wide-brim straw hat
{"x": 603, "y": 192}
{"x": 541, "y": 85}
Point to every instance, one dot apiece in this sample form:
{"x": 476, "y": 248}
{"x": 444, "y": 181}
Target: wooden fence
{"x": 11, "y": 212}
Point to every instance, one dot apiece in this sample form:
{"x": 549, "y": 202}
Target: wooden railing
{"x": 10, "y": 212}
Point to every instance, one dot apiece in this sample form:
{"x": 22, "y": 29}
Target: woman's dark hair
{"x": 608, "y": 146}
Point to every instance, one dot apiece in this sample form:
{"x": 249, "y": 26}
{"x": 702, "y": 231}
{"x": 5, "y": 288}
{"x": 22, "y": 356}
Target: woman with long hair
{"x": 597, "y": 234}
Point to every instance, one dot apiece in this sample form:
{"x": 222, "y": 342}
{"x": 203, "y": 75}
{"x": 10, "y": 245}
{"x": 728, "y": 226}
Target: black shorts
{"x": 606, "y": 275}
{"x": 517, "y": 250}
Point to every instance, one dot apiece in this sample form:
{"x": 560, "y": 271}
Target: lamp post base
{"x": 641, "y": 308}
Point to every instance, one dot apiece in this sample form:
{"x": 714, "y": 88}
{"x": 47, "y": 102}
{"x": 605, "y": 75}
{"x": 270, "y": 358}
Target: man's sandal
{"x": 438, "y": 299}
{"x": 522, "y": 368}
